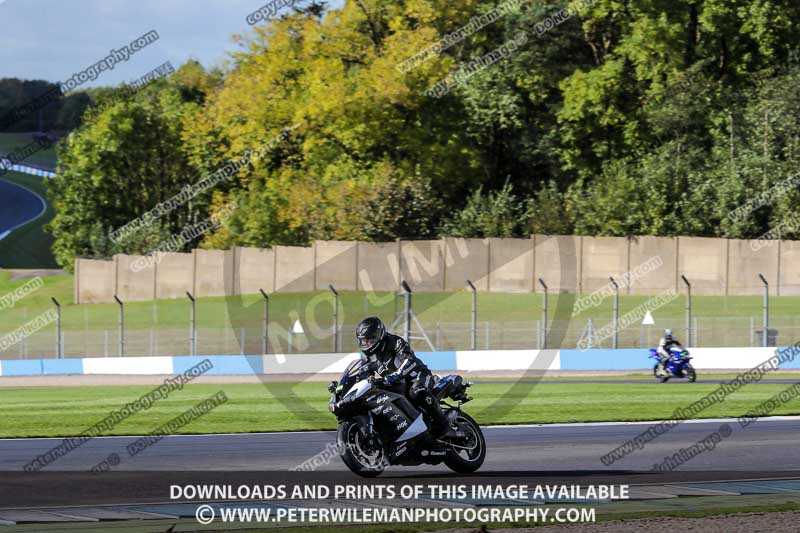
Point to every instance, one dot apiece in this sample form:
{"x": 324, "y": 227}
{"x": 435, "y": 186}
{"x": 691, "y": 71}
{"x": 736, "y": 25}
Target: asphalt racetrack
{"x": 18, "y": 206}
{"x": 759, "y": 461}
{"x": 766, "y": 445}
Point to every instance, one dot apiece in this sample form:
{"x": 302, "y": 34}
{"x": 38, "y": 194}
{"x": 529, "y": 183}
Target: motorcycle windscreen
{"x": 351, "y": 373}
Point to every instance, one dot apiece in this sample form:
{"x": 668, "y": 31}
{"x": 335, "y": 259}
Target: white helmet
{"x": 667, "y": 333}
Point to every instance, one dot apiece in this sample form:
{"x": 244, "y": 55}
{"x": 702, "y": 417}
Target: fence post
{"x": 474, "y": 340}
{"x": 59, "y": 352}
{"x": 121, "y": 326}
{"x": 193, "y": 328}
{"x": 335, "y": 318}
{"x": 688, "y": 310}
{"x": 616, "y": 312}
{"x": 265, "y": 326}
{"x": 544, "y": 315}
{"x": 406, "y": 311}
{"x": 589, "y": 332}
{"x": 766, "y": 310}
{"x": 539, "y": 334}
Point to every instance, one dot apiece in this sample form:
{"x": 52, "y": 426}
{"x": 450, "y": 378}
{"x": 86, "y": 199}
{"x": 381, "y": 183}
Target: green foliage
{"x": 64, "y": 114}
{"x": 648, "y": 117}
{"x": 493, "y": 214}
{"x": 124, "y": 161}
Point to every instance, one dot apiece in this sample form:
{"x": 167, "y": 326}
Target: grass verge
{"x": 68, "y": 411}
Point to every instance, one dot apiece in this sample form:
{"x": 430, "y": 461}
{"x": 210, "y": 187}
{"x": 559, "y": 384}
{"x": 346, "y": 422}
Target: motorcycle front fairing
{"x": 385, "y": 411}
{"x": 678, "y": 360}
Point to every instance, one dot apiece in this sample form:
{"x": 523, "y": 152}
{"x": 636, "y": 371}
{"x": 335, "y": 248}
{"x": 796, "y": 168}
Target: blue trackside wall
{"x": 460, "y": 361}
{"x": 625, "y": 359}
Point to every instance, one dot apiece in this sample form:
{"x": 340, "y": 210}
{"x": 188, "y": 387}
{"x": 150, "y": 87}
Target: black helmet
{"x": 369, "y": 334}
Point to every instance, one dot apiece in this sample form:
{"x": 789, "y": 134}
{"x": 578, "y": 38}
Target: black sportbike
{"x": 379, "y": 426}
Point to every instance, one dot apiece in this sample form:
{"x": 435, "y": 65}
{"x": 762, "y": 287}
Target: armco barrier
{"x": 462, "y": 361}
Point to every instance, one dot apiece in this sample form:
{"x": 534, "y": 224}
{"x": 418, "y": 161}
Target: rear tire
{"x": 690, "y": 373}
{"x": 663, "y": 378}
{"x": 358, "y": 457}
{"x": 465, "y": 461}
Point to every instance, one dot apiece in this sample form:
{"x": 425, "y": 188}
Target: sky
{"x": 54, "y": 39}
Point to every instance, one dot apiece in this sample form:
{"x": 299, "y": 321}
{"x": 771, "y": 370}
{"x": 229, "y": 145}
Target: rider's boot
{"x": 441, "y": 423}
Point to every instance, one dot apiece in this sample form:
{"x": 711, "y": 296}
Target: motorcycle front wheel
{"x": 690, "y": 373}
{"x": 361, "y": 458}
{"x": 467, "y": 455}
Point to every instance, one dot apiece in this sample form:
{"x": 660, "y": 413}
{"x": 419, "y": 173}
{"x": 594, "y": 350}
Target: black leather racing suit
{"x": 395, "y": 357}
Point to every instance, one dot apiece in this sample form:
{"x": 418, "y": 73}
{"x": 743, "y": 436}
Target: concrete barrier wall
{"x": 749, "y": 258}
{"x": 253, "y": 270}
{"x": 459, "y": 361}
{"x": 705, "y": 263}
{"x": 566, "y": 263}
{"x": 378, "y": 266}
{"x": 653, "y": 265}
{"x": 95, "y": 281}
{"x": 466, "y": 259}
{"x": 557, "y": 262}
{"x": 134, "y": 284}
{"x": 174, "y": 275}
{"x": 294, "y": 269}
{"x": 511, "y": 265}
{"x": 602, "y": 258}
{"x": 336, "y": 264}
{"x": 422, "y": 264}
{"x": 213, "y": 272}
{"x": 788, "y": 261}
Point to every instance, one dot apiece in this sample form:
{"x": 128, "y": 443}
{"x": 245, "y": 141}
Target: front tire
{"x": 690, "y": 373}
{"x": 359, "y": 457}
{"x": 470, "y": 454}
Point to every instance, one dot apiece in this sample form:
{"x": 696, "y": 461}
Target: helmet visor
{"x": 365, "y": 342}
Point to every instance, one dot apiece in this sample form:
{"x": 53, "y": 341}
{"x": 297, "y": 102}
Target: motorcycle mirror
{"x": 332, "y": 386}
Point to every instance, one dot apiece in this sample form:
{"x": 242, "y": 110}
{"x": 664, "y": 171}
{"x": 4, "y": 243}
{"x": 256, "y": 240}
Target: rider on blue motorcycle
{"x": 667, "y": 342}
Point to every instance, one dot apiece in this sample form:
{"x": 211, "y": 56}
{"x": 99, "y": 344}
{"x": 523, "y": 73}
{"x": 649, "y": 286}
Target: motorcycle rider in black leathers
{"x": 393, "y": 359}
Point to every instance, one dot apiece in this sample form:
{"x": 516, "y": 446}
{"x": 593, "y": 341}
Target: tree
{"x": 494, "y": 214}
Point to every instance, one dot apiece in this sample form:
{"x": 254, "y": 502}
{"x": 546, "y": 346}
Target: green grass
{"x": 10, "y": 142}
{"x": 29, "y": 246}
{"x": 430, "y": 307}
{"x": 67, "y": 411}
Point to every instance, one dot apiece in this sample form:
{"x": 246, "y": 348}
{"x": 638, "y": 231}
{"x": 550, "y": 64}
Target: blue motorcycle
{"x": 678, "y": 366}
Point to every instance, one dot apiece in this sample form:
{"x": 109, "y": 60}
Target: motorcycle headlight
{"x": 332, "y": 406}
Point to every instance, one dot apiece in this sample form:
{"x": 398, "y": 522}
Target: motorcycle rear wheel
{"x": 355, "y": 453}
{"x": 467, "y": 456}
